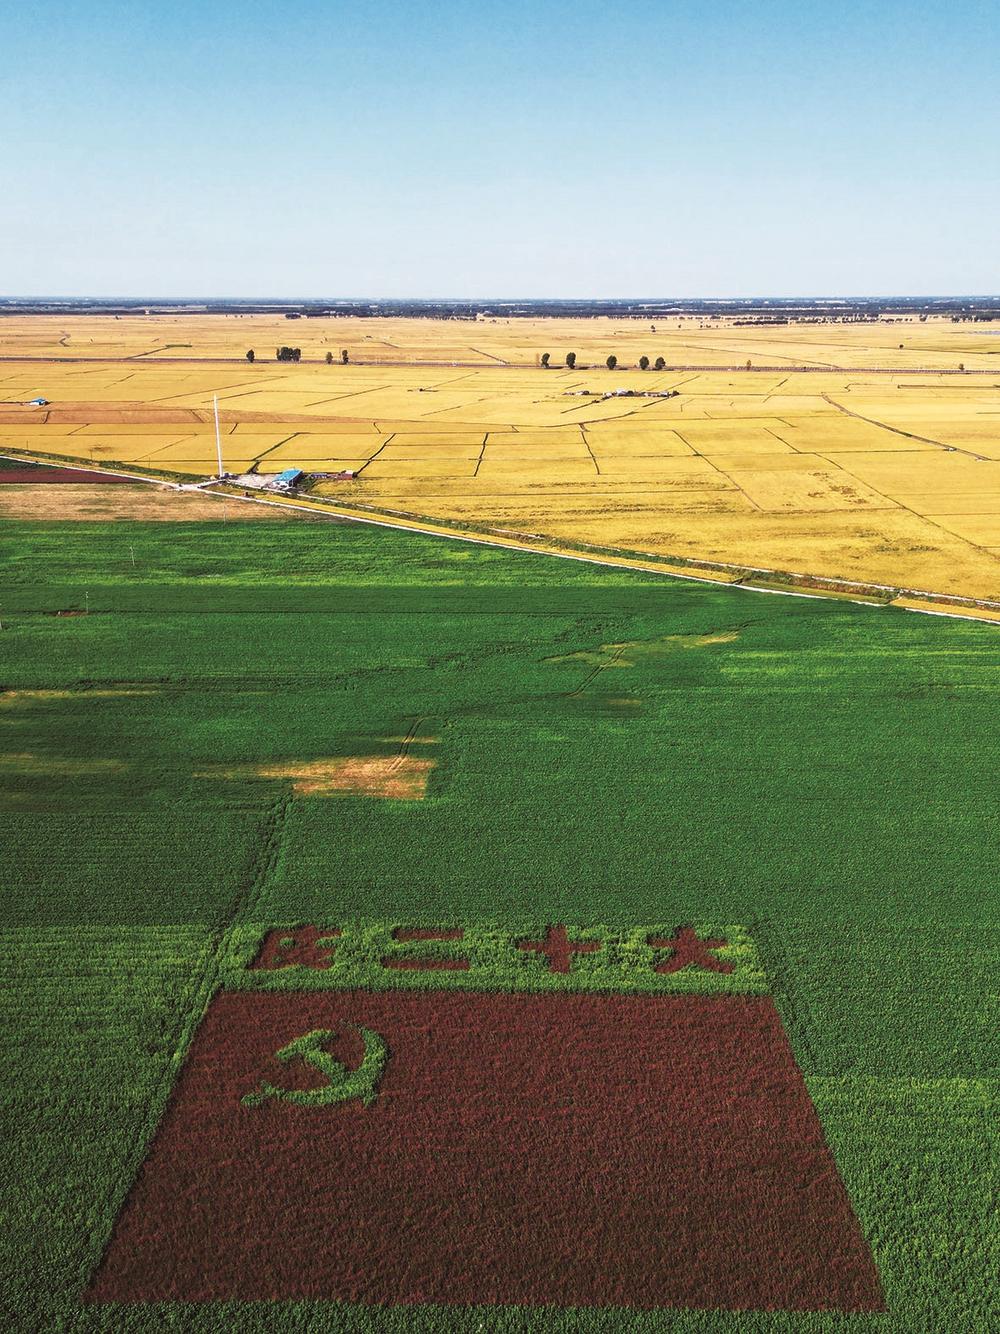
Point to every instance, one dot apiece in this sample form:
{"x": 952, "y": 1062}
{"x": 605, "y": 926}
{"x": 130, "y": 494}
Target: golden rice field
{"x": 686, "y": 340}
{"x": 841, "y": 470}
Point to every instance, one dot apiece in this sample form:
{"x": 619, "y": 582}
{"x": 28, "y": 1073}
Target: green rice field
{"x": 215, "y": 731}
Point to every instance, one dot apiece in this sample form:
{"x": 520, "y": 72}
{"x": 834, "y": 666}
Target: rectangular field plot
{"x": 554, "y": 440}
{"x": 719, "y": 436}
{"x": 928, "y": 470}
{"x": 982, "y": 529}
{"x": 804, "y": 491}
{"x": 507, "y": 468}
{"x": 459, "y": 443}
{"x": 972, "y": 501}
{"x": 636, "y": 468}
{"x": 82, "y": 434}
{"x": 388, "y": 468}
{"x": 641, "y": 443}
{"x": 399, "y": 1148}
{"x": 790, "y": 461}
{"x": 319, "y": 447}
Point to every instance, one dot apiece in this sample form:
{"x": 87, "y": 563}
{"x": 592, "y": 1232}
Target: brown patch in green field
{"x": 397, "y": 777}
{"x": 629, "y": 652}
{"x": 93, "y": 503}
{"x": 390, "y": 777}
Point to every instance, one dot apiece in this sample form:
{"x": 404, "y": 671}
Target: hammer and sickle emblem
{"x": 342, "y": 1084}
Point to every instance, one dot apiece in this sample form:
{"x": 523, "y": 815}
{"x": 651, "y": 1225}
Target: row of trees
{"x": 612, "y": 362}
{"x": 295, "y": 354}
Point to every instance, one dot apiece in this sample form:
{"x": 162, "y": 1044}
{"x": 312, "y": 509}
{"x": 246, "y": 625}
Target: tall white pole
{"x": 218, "y": 437}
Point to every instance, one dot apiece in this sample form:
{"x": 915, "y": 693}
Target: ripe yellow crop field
{"x": 859, "y": 451}
{"x": 497, "y": 341}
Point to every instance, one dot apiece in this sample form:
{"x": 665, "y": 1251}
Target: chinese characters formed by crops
{"x": 552, "y": 956}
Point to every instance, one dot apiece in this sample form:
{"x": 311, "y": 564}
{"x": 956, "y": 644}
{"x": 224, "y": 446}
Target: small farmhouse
{"x": 286, "y": 480}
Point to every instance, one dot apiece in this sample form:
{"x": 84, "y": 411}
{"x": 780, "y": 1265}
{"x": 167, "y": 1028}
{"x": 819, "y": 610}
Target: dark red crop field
{"x": 32, "y": 475}
{"x": 513, "y": 1149}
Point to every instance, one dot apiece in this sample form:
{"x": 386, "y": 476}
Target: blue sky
{"x": 446, "y": 149}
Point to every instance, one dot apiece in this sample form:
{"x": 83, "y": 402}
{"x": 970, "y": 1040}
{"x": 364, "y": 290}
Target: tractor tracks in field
{"x": 408, "y": 740}
{"x": 612, "y": 661}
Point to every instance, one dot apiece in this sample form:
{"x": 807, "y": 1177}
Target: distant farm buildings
{"x": 622, "y": 393}
{"x": 290, "y": 479}
{"x": 287, "y": 480}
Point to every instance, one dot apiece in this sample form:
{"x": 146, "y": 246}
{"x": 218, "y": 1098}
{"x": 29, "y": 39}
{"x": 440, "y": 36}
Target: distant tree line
{"x": 611, "y": 363}
{"x": 288, "y": 353}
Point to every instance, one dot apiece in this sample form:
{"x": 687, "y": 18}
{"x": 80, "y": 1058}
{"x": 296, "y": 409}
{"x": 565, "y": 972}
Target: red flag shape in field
{"x": 577, "y": 1150}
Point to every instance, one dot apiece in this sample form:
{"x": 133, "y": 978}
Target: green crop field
{"x": 206, "y": 750}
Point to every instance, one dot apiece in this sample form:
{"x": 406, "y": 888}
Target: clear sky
{"x": 320, "y": 149}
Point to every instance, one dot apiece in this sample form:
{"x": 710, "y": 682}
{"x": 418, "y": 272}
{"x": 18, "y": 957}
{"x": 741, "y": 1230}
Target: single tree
{"x": 343, "y": 355}
{"x": 296, "y": 354}
{"x": 329, "y": 358}
{"x": 545, "y": 360}
{"x": 570, "y": 359}
{"x": 612, "y": 362}
{"x": 250, "y": 355}
{"x": 644, "y": 363}
{"x": 749, "y": 365}
{"x": 659, "y": 364}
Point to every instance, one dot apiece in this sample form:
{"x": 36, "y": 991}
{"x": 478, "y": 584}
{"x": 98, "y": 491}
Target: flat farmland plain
{"x": 836, "y": 460}
{"x": 674, "y": 906}
{"x": 497, "y": 340}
